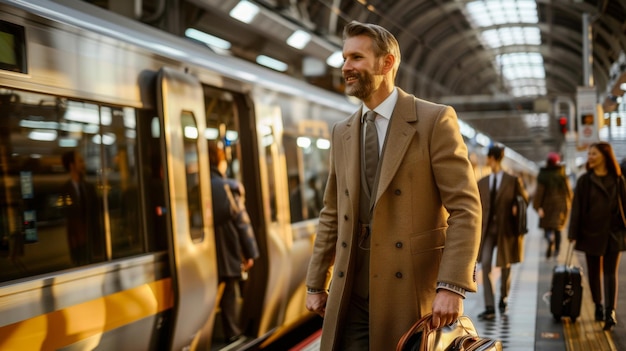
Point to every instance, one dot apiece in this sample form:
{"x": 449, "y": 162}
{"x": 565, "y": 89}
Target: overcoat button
{"x": 345, "y": 217}
{"x": 398, "y": 275}
{"x": 346, "y": 192}
{"x": 399, "y": 245}
{"x": 397, "y": 192}
{"x": 343, "y": 244}
{"x": 340, "y": 274}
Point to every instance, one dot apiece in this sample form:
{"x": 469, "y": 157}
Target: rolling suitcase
{"x": 567, "y": 290}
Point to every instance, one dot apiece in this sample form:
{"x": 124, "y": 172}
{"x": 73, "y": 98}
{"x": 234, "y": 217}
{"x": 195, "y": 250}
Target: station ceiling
{"x": 511, "y": 68}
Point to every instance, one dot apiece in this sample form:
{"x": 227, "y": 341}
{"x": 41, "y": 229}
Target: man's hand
{"x": 447, "y": 307}
{"x": 317, "y": 303}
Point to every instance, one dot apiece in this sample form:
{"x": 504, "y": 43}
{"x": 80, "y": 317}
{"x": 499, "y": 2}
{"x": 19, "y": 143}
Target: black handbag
{"x": 458, "y": 336}
{"x": 520, "y": 221}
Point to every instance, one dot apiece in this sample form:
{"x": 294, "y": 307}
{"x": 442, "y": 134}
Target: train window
{"x": 221, "y": 122}
{"x": 153, "y": 175}
{"x": 192, "y": 170}
{"x": 68, "y": 195}
{"x": 307, "y": 162}
{"x": 121, "y": 173}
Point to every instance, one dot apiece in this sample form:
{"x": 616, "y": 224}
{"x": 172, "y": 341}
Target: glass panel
{"x": 50, "y": 189}
{"x": 192, "y": 170}
{"x": 222, "y": 128}
{"x": 123, "y": 197}
{"x": 307, "y": 164}
{"x": 54, "y": 190}
{"x": 267, "y": 140}
{"x": 156, "y": 209}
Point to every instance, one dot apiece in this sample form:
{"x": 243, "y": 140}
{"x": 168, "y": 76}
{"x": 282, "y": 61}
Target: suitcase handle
{"x": 570, "y": 254}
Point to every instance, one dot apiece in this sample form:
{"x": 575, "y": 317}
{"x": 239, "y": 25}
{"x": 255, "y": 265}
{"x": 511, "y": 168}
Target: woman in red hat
{"x": 552, "y": 201}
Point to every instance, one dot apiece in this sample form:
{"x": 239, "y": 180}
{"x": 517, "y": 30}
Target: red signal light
{"x": 563, "y": 125}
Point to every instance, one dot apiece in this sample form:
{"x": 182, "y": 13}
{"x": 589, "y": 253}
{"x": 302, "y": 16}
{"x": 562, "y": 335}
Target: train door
{"x": 191, "y": 245}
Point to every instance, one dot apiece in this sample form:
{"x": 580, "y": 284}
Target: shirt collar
{"x": 385, "y": 108}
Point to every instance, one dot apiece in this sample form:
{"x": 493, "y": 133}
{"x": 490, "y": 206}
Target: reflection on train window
{"x": 221, "y": 122}
{"x": 267, "y": 140}
{"x": 192, "y": 170}
{"x": 307, "y": 165}
{"x": 69, "y": 189}
{"x": 119, "y": 138}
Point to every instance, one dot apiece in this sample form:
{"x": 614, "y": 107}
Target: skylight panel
{"x": 509, "y": 23}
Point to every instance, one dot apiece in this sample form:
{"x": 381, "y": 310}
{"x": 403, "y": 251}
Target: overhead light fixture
{"x": 299, "y": 39}
{"x": 211, "y": 133}
{"x": 245, "y": 11}
{"x": 68, "y": 142}
{"x": 335, "y": 60}
{"x": 42, "y": 135}
{"x": 271, "y": 63}
{"x": 208, "y": 39}
{"x": 105, "y": 139}
{"x": 323, "y": 144}
{"x": 303, "y": 142}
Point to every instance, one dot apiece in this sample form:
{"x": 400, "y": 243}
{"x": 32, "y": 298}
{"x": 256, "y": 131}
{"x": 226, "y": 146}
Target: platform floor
{"x": 528, "y": 323}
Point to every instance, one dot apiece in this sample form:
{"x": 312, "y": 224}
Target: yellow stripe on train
{"x": 90, "y": 319}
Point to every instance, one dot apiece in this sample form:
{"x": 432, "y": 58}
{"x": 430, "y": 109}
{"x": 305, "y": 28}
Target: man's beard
{"x": 363, "y": 87}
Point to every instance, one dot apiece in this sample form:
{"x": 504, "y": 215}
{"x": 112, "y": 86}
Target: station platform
{"x": 528, "y": 324}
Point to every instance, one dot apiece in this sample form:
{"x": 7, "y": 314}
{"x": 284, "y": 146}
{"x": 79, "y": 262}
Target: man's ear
{"x": 388, "y": 62}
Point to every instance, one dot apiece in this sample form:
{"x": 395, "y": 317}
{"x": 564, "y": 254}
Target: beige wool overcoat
{"x": 425, "y": 224}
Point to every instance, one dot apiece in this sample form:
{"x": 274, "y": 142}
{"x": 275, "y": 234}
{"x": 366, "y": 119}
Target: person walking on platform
{"x": 498, "y": 192}
{"x": 597, "y": 226}
{"x": 400, "y": 220}
{"x": 552, "y": 201}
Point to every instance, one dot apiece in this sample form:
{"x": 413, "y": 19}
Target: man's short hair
{"x": 497, "y": 152}
{"x": 383, "y": 42}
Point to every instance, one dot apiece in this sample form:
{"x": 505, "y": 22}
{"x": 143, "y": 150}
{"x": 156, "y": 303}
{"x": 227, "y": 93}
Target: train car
{"x": 133, "y": 266}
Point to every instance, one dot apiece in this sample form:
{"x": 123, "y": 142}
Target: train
{"x": 140, "y": 106}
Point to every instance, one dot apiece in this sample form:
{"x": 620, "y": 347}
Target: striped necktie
{"x": 370, "y": 148}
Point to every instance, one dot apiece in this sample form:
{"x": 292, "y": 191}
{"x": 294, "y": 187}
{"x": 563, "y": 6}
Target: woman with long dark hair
{"x": 598, "y": 227}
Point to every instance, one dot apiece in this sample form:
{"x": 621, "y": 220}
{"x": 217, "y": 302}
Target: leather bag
{"x": 458, "y": 336}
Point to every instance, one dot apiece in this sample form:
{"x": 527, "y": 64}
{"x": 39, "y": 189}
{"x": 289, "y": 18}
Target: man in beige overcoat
{"x": 387, "y": 253}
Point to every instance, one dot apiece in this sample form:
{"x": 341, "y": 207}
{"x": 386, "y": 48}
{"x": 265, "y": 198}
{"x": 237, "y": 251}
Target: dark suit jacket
{"x": 510, "y": 246}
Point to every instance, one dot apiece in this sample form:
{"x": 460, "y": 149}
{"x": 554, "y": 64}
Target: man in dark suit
{"x": 82, "y": 211}
{"x": 498, "y": 192}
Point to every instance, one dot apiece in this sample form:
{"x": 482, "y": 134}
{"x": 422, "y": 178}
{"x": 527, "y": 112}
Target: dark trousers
{"x": 355, "y": 334}
{"x": 553, "y": 237}
{"x": 606, "y": 265}
{"x": 228, "y": 306}
{"x": 487, "y": 250}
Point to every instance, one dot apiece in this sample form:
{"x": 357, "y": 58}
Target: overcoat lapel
{"x": 352, "y": 158}
{"x": 402, "y": 129}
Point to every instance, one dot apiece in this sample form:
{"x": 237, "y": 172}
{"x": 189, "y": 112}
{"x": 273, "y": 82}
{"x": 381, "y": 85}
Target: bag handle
{"x": 422, "y": 324}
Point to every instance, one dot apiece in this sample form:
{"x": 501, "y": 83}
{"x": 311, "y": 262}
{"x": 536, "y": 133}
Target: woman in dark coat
{"x": 552, "y": 201}
{"x": 598, "y": 227}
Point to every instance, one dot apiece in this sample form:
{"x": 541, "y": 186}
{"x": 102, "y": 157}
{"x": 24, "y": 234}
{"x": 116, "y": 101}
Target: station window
{"x": 192, "y": 170}
{"x": 69, "y": 191}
